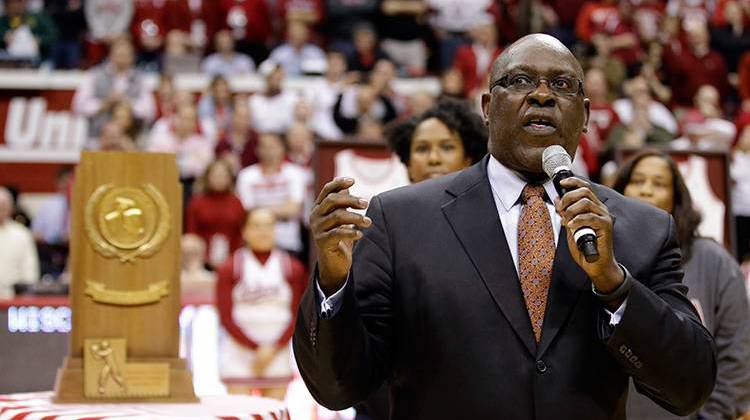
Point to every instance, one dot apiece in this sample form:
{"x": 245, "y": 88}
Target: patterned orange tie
{"x": 536, "y": 251}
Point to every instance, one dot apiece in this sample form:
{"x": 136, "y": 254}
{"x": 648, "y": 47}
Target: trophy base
{"x": 70, "y": 388}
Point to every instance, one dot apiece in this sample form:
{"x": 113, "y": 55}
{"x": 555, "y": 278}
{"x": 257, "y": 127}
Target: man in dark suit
{"x": 462, "y": 292}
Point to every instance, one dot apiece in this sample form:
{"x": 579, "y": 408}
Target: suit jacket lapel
{"x": 569, "y": 281}
{"x": 473, "y": 216}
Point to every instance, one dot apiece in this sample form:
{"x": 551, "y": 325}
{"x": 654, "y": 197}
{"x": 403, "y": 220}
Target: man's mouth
{"x": 539, "y": 126}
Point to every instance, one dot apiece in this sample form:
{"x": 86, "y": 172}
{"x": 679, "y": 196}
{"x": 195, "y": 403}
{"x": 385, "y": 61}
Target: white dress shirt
{"x": 506, "y": 190}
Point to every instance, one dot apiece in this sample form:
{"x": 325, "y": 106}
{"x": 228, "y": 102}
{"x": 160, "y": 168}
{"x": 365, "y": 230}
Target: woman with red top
{"x": 257, "y": 294}
{"x": 217, "y": 215}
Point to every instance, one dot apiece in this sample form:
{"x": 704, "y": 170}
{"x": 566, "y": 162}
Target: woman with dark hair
{"x": 216, "y": 215}
{"x": 715, "y": 286}
{"x": 446, "y": 138}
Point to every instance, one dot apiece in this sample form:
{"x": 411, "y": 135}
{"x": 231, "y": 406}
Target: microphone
{"x": 557, "y": 165}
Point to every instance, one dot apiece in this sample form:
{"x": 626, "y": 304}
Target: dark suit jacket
{"x": 433, "y": 303}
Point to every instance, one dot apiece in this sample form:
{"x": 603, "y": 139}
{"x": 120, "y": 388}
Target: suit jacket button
{"x": 541, "y": 367}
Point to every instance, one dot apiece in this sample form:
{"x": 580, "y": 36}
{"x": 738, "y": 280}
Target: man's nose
{"x": 541, "y": 96}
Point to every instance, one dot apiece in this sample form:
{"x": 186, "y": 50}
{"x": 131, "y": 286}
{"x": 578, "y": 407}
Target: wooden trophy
{"x": 126, "y": 222}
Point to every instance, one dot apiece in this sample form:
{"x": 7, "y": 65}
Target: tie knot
{"x": 532, "y": 191}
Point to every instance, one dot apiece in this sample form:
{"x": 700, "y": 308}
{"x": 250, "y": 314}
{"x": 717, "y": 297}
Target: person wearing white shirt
{"x": 194, "y": 152}
{"x": 19, "y": 262}
{"x": 639, "y": 93}
{"x": 273, "y": 110}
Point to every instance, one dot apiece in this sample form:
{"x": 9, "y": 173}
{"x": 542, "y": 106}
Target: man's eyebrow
{"x": 528, "y": 69}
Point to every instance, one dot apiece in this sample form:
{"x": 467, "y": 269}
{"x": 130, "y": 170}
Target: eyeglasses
{"x": 526, "y": 83}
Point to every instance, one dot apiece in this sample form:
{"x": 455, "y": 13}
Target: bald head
{"x": 543, "y": 44}
{"x": 6, "y": 204}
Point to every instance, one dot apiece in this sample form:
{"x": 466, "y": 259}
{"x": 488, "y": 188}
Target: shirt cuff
{"x": 616, "y": 316}
{"x": 329, "y": 306}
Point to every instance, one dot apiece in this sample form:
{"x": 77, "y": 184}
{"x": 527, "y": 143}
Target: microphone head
{"x": 555, "y": 159}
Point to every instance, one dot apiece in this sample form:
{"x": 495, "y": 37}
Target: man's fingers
{"x": 582, "y": 206}
{"x": 591, "y": 220}
{"x": 340, "y": 233}
{"x": 571, "y": 197}
{"x": 341, "y": 217}
{"x": 335, "y": 201}
{"x": 336, "y": 185}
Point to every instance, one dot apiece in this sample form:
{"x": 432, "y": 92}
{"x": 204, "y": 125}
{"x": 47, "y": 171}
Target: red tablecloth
{"x": 39, "y": 406}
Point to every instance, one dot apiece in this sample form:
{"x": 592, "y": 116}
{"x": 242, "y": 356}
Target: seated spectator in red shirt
{"x": 694, "y": 64}
{"x": 609, "y": 28}
{"x": 257, "y": 293}
{"x": 594, "y": 16}
{"x": 238, "y": 144}
{"x": 198, "y": 18}
{"x": 602, "y": 116}
{"x": 647, "y": 18}
{"x": 719, "y": 17}
{"x": 149, "y": 29}
{"x": 366, "y": 51}
{"x": 250, "y": 24}
{"x": 310, "y": 12}
{"x": 474, "y": 60}
{"x": 226, "y": 61}
{"x": 732, "y": 39}
{"x": 216, "y": 215}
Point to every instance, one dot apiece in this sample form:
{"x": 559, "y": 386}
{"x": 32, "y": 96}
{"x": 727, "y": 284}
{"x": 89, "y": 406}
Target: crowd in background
{"x": 672, "y": 73}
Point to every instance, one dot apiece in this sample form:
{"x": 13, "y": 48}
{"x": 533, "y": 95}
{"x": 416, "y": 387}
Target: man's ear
{"x": 486, "y": 97}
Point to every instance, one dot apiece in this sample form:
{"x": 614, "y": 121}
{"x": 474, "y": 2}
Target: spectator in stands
{"x": 740, "y": 173}
{"x": 107, "y": 20}
{"x": 402, "y": 27}
{"x": 474, "y": 60}
{"x": 71, "y": 25}
{"x": 178, "y": 56}
{"x": 639, "y": 98}
{"x": 149, "y": 30}
{"x": 249, "y": 23}
{"x": 114, "y": 139}
{"x": 273, "y": 110}
{"x": 164, "y": 96}
{"x": 215, "y": 108}
{"x": 322, "y": 96}
{"x": 195, "y": 280}
{"x": 24, "y": 34}
{"x": 602, "y": 116}
{"x": 448, "y": 137}
{"x": 704, "y": 126}
{"x": 342, "y": 16}
{"x": 452, "y": 20}
{"x": 122, "y": 114}
{"x": 560, "y": 17}
{"x": 298, "y": 56}
{"x": 194, "y": 152}
{"x": 715, "y": 286}
{"x": 216, "y": 215}
{"x": 381, "y": 79}
{"x": 652, "y": 70}
{"x": 50, "y": 223}
{"x": 257, "y": 293}
{"x": 277, "y": 185}
{"x": 301, "y": 144}
{"x": 114, "y": 81}
{"x": 732, "y": 39}
{"x": 198, "y": 18}
{"x": 366, "y": 51}
{"x": 309, "y": 12}
{"x": 744, "y": 78}
{"x": 18, "y": 261}
{"x": 695, "y": 65}
{"x": 452, "y": 84}
{"x": 361, "y": 102}
{"x": 226, "y": 61}
{"x": 420, "y": 102}
{"x": 237, "y": 146}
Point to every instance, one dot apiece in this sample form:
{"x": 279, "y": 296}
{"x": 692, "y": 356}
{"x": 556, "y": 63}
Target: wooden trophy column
{"x": 126, "y": 222}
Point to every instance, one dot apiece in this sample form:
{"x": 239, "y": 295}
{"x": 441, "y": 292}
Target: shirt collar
{"x": 508, "y": 185}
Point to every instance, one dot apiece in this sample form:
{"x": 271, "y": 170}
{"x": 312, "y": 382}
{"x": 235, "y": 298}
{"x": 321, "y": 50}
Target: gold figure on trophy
{"x": 104, "y": 353}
